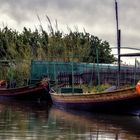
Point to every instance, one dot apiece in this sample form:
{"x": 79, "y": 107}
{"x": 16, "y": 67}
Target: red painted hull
{"x": 35, "y": 92}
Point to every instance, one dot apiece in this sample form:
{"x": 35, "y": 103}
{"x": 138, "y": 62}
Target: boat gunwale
{"x": 94, "y": 94}
{"x": 21, "y": 90}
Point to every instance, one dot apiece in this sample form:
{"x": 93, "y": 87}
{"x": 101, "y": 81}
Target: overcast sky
{"x": 96, "y": 16}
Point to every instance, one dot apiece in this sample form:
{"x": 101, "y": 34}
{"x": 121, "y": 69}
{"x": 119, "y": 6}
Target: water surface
{"x": 22, "y": 121}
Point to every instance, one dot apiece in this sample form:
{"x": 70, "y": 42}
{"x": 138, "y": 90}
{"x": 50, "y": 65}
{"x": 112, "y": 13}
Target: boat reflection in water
{"x": 20, "y": 121}
{"x": 83, "y": 125}
{"x": 40, "y": 122}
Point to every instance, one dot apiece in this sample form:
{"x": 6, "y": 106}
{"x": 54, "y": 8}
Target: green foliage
{"x": 73, "y": 46}
{"x": 53, "y": 46}
{"x": 95, "y": 89}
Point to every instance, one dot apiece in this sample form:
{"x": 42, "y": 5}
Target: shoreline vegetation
{"x": 19, "y": 48}
{"x": 97, "y": 89}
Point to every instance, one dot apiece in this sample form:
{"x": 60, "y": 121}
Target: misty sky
{"x": 96, "y": 16}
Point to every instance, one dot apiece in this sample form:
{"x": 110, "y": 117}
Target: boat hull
{"x": 121, "y": 101}
{"x": 30, "y": 93}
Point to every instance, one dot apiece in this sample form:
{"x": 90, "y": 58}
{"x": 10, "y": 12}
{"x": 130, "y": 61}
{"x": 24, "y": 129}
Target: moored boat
{"x": 118, "y": 101}
{"x": 30, "y": 92}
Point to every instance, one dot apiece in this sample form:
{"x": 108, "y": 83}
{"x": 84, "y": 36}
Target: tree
{"x": 74, "y": 46}
{"x": 102, "y": 48}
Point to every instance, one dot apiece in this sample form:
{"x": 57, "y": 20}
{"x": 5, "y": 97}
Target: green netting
{"x": 88, "y": 72}
{"x": 52, "y": 69}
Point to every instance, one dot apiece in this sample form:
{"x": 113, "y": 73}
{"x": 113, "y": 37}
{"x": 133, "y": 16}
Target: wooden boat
{"x": 31, "y": 92}
{"x": 118, "y": 101}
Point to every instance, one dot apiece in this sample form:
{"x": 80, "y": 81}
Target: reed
{"x": 95, "y": 89}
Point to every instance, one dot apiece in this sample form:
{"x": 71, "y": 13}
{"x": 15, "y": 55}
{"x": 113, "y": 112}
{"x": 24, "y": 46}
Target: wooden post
{"x": 119, "y": 63}
{"x": 97, "y": 62}
{"x": 118, "y": 42}
{"x": 135, "y": 71}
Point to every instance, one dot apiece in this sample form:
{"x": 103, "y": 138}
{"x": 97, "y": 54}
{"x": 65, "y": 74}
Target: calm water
{"x": 37, "y": 122}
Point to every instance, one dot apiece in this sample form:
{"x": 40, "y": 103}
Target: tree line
{"x": 53, "y": 45}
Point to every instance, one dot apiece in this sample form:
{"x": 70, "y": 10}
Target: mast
{"x": 118, "y": 42}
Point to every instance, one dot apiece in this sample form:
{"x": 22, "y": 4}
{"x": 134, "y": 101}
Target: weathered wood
{"x": 118, "y": 101}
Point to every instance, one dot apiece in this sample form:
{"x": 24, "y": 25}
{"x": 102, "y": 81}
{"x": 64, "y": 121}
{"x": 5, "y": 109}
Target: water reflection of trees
{"x": 20, "y": 121}
{"x": 39, "y": 122}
